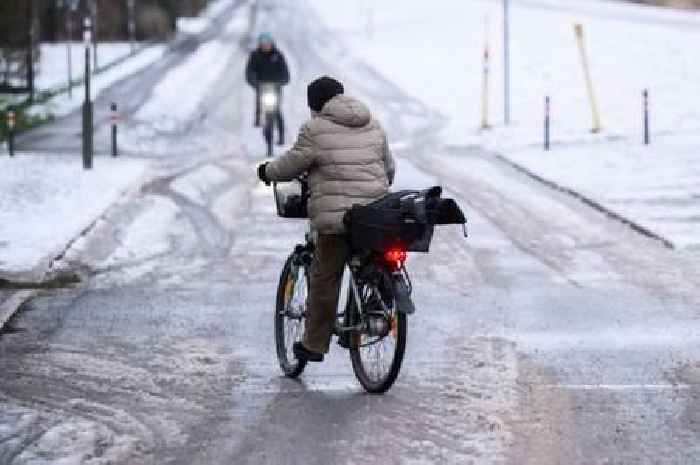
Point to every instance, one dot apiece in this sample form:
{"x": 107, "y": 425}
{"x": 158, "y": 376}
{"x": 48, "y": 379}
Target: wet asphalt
{"x": 552, "y": 335}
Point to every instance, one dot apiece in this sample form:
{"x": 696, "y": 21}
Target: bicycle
{"x": 372, "y": 326}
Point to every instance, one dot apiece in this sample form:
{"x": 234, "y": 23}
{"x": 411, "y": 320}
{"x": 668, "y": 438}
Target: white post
{"x": 369, "y": 17}
{"x": 485, "y": 79}
{"x": 132, "y": 24}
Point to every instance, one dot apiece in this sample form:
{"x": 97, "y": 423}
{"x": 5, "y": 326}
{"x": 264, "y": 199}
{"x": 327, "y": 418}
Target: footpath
{"x": 46, "y": 202}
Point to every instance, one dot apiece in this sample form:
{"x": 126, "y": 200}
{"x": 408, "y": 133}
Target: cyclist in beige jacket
{"x": 345, "y": 152}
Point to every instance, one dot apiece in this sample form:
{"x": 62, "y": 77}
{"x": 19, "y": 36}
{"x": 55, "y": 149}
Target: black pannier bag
{"x": 402, "y": 219}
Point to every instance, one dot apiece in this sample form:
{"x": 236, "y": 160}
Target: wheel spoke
{"x": 294, "y": 315}
{"x": 377, "y": 355}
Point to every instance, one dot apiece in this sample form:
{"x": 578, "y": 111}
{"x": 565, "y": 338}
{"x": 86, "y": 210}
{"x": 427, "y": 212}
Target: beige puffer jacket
{"x": 346, "y": 154}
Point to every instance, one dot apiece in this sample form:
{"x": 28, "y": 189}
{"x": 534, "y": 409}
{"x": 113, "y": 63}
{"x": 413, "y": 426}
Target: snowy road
{"x": 553, "y": 335}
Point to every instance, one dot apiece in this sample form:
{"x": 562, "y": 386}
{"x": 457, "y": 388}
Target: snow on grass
{"x": 63, "y": 104}
{"x": 434, "y": 52}
{"x": 216, "y": 8}
{"x": 658, "y": 186}
{"x": 179, "y": 96}
{"x": 191, "y": 26}
{"x": 198, "y": 24}
{"x": 47, "y": 200}
{"x": 53, "y": 67}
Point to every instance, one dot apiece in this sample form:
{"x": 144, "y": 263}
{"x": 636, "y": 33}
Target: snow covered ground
{"x": 435, "y": 53}
{"x": 63, "y": 104}
{"x": 659, "y": 188}
{"x": 171, "y": 106}
{"x": 46, "y": 201}
{"x": 53, "y": 67}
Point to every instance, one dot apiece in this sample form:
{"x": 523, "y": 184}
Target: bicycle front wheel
{"x": 376, "y": 358}
{"x": 268, "y": 133}
{"x": 290, "y": 314}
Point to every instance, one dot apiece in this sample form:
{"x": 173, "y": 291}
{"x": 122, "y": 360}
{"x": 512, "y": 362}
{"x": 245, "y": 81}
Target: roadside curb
{"x": 588, "y": 201}
{"x": 13, "y": 303}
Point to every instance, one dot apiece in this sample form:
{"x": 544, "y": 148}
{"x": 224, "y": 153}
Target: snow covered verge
{"x": 48, "y": 200}
{"x": 63, "y": 104}
{"x": 53, "y": 66}
{"x": 435, "y": 51}
{"x": 658, "y": 186}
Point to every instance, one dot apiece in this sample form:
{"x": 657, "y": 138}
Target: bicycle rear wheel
{"x": 376, "y": 360}
{"x": 290, "y": 314}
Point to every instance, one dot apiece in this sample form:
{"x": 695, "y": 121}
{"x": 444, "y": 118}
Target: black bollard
{"x": 546, "y": 122}
{"x": 11, "y": 121}
{"x": 88, "y": 143}
{"x": 114, "y": 118}
{"x": 645, "y": 95}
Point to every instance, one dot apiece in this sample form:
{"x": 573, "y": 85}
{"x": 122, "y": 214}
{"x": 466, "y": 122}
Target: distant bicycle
{"x": 373, "y": 323}
{"x": 269, "y": 95}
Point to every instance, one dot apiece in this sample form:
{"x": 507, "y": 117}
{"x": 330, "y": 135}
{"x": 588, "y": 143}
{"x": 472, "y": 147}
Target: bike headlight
{"x": 269, "y": 100}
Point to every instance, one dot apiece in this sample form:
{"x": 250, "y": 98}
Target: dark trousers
{"x": 331, "y": 253}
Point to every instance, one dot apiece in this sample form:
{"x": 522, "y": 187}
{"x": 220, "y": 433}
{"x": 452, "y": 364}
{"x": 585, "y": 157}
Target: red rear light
{"x": 395, "y": 255}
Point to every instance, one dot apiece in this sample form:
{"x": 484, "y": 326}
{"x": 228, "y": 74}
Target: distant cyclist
{"x": 266, "y": 65}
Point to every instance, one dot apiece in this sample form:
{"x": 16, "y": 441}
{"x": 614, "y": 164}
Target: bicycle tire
{"x": 359, "y": 367}
{"x": 290, "y": 368}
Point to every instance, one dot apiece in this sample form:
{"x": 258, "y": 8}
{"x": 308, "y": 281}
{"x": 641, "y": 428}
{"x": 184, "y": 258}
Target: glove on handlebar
{"x": 262, "y": 175}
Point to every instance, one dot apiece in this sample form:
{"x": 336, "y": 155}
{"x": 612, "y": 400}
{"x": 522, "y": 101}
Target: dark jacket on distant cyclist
{"x": 346, "y": 153}
{"x": 266, "y": 67}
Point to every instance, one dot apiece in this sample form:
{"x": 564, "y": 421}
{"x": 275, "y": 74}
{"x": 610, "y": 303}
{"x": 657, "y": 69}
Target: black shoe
{"x": 301, "y": 353}
{"x": 280, "y": 142}
{"x": 344, "y": 340}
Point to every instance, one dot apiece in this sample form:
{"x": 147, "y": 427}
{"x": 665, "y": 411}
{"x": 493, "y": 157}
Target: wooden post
{"x": 578, "y": 29}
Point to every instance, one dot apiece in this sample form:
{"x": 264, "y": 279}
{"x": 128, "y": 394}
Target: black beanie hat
{"x": 322, "y": 90}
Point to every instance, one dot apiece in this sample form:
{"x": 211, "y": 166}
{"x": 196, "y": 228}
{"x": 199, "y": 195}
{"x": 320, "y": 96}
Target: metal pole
{"x": 11, "y": 132}
{"x": 485, "y": 79}
{"x": 95, "y": 12}
{"x": 69, "y": 58}
{"x": 30, "y": 54}
{"x": 546, "y": 122}
{"x": 506, "y": 59}
{"x": 114, "y": 117}
{"x": 645, "y": 94}
{"x": 87, "y": 104}
{"x": 132, "y": 25}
